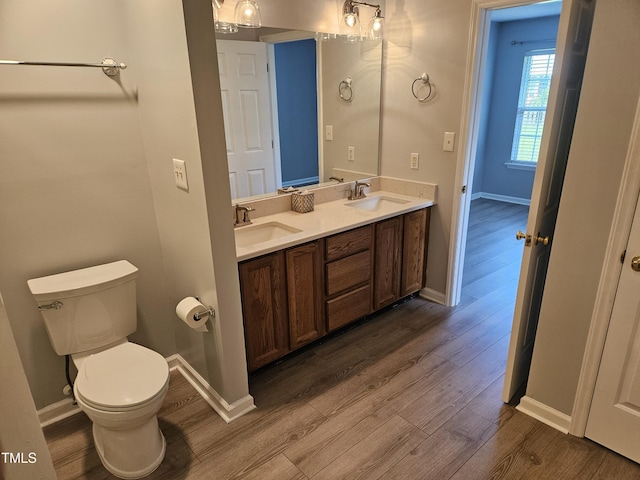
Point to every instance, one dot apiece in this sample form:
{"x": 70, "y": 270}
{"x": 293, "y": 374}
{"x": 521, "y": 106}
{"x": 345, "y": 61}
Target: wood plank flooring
{"x": 413, "y": 393}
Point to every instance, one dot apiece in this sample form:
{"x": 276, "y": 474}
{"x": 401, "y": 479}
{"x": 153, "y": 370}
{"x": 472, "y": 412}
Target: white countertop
{"x": 327, "y": 219}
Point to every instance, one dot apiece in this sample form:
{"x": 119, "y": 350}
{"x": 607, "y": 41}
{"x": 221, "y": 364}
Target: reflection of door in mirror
{"x": 244, "y": 86}
{"x": 311, "y": 89}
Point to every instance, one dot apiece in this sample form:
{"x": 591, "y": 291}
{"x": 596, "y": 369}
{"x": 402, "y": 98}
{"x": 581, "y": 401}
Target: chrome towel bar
{"x": 109, "y": 66}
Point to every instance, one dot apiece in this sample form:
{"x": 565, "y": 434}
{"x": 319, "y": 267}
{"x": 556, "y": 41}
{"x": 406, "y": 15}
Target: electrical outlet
{"x": 414, "y": 160}
{"x": 328, "y": 132}
{"x": 449, "y": 140}
{"x": 351, "y": 153}
{"x": 180, "y": 174}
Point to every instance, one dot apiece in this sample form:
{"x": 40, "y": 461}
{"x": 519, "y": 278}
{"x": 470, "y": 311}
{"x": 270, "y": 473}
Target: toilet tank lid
{"x": 83, "y": 281}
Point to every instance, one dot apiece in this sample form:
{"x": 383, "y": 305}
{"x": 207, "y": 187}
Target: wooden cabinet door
{"x": 413, "y": 251}
{"x": 388, "y": 255}
{"x": 264, "y": 308}
{"x": 304, "y": 287}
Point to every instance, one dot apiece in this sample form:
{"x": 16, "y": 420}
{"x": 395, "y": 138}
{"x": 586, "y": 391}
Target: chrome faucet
{"x": 245, "y": 220}
{"x": 358, "y": 190}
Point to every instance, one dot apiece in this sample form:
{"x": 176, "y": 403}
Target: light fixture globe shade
{"x": 351, "y": 20}
{"x": 220, "y": 26}
{"x": 247, "y": 14}
{"x": 225, "y": 27}
{"x": 376, "y": 28}
{"x": 351, "y": 30}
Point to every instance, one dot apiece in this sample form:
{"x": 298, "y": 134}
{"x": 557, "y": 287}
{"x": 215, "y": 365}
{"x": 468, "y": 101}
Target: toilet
{"x": 120, "y": 385}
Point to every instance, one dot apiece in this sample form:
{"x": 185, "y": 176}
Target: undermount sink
{"x": 376, "y": 203}
{"x": 253, "y": 234}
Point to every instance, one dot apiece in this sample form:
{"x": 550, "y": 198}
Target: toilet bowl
{"x": 121, "y": 389}
{"x": 89, "y": 314}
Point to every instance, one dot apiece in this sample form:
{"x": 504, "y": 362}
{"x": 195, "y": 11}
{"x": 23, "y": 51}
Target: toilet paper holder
{"x": 210, "y": 312}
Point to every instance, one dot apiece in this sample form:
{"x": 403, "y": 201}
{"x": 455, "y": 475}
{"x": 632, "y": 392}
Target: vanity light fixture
{"x": 248, "y": 14}
{"x": 351, "y": 20}
{"x": 221, "y": 27}
{"x": 376, "y": 26}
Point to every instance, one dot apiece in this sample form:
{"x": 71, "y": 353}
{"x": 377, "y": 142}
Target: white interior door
{"x": 614, "y": 418}
{"x": 244, "y": 83}
{"x": 571, "y": 49}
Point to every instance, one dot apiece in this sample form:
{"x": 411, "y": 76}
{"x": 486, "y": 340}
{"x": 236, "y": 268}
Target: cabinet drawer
{"x": 349, "y": 307}
{"x": 348, "y": 272}
{"x": 348, "y": 243}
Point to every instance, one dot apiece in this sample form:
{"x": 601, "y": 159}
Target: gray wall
{"x": 20, "y": 431}
{"x": 75, "y": 190}
{"x": 355, "y": 123}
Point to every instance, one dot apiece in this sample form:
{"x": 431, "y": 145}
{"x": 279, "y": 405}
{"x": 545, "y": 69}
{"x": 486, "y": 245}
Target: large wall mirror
{"x": 312, "y": 114}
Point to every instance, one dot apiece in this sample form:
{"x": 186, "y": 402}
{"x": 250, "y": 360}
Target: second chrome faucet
{"x": 358, "y": 190}
{"x": 242, "y": 215}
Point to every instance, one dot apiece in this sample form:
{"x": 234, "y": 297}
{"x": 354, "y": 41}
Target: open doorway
{"x": 514, "y": 93}
{"x": 572, "y": 42}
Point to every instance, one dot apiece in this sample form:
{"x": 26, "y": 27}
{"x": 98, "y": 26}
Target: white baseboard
{"x": 433, "y": 295}
{"x": 65, "y": 408}
{"x": 228, "y": 412}
{"x": 57, "y": 411}
{"x": 501, "y": 198}
{"x": 545, "y": 414}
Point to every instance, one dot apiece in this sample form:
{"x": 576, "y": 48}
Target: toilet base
{"x": 130, "y": 453}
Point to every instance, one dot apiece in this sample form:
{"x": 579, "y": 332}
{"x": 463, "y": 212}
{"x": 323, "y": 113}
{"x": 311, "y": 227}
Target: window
{"x": 532, "y": 105}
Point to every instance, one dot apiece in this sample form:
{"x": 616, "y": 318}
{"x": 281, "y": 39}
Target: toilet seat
{"x": 122, "y": 378}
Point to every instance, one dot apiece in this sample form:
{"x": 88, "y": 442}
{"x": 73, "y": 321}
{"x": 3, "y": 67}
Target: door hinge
{"x": 464, "y": 189}
{"x": 624, "y": 254}
{"x": 267, "y": 68}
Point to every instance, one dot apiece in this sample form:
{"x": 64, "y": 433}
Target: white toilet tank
{"x": 87, "y": 308}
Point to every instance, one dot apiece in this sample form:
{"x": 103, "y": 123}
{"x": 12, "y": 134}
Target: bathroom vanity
{"x": 317, "y": 272}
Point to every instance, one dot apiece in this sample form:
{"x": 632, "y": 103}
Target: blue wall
{"x": 491, "y": 176}
{"x": 297, "y": 109}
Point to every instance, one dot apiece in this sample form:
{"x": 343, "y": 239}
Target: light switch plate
{"x": 449, "y": 140}
{"x": 328, "y": 132}
{"x": 180, "y": 174}
{"x": 351, "y": 153}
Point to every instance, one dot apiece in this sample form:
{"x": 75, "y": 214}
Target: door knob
{"x": 635, "y": 263}
{"x": 536, "y": 240}
{"x": 520, "y": 235}
{"x": 543, "y": 240}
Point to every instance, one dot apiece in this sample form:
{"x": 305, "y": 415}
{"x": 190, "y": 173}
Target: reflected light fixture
{"x": 248, "y": 14}
{"x": 376, "y": 26}
{"x": 351, "y": 20}
{"x": 221, "y": 27}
